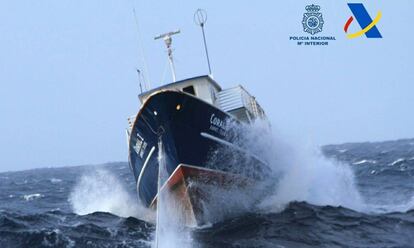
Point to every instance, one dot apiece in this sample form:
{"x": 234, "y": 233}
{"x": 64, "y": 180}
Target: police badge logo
{"x": 312, "y": 19}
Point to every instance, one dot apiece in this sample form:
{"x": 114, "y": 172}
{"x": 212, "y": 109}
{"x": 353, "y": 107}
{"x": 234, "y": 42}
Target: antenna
{"x": 200, "y": 18}
{"x": 144, "y": 73}
{"x": 139, "y": 79}
{"x": 168, "y": 40}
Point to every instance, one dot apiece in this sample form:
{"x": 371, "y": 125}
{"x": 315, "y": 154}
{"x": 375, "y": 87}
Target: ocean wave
{"x": 305, "y": 225}
{"x": 316, "y": 196}
{"x": 397, "y": 162}
{"x": 101, "y": 191}
{"x": 392, "y": 208}
{"x": 94, "y": 230}
{"x": 300, "y": 171}
{"x": 32, "y": 197}
{"x": 300, "y": 224}
{"x": 365, "y": 161}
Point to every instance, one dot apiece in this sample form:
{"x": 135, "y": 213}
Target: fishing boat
{"x": 192, "y": 122}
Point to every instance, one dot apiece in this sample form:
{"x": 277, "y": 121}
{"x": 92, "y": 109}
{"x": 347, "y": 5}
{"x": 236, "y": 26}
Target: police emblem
{"x": 312, "y": 20}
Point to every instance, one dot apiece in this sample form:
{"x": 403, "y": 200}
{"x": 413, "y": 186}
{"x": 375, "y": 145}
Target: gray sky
{"x": 68, "y": 79}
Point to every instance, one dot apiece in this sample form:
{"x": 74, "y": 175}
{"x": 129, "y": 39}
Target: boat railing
{"x": 131, "y": 121}
{"x": 236, "y": 99}
{"x": 251, "y": 104}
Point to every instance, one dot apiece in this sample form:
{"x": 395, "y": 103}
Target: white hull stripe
{"x": 144, "y": 166}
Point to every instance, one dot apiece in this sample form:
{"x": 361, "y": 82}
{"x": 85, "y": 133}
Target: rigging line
{"x": 146, "y": 77}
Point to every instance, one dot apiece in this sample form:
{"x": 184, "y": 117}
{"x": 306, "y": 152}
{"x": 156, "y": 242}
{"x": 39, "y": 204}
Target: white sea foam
{"x": 365, "y": 161}
{"x": 398, "y": 161}
{"x": 304, "y": 174}
{"x": 55, "y": 180}
{"x": 101, "y": 191}
{"x": 32, "y": 197}
{"x": 390, "y": 208}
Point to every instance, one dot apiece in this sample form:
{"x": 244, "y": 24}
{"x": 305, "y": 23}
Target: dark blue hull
{"x": 191, "y": 131}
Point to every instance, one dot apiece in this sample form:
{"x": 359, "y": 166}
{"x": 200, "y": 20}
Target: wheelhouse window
{"x": 189, "y": 90}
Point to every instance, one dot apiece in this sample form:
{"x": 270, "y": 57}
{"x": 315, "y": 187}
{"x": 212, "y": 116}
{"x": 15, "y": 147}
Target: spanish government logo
{"x": 368, "y": 26}
{"x": 312, "y": 19}
{"x": 312, "y": 24}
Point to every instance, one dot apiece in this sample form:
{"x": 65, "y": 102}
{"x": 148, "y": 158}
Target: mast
{"x": 168, "y": 40}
